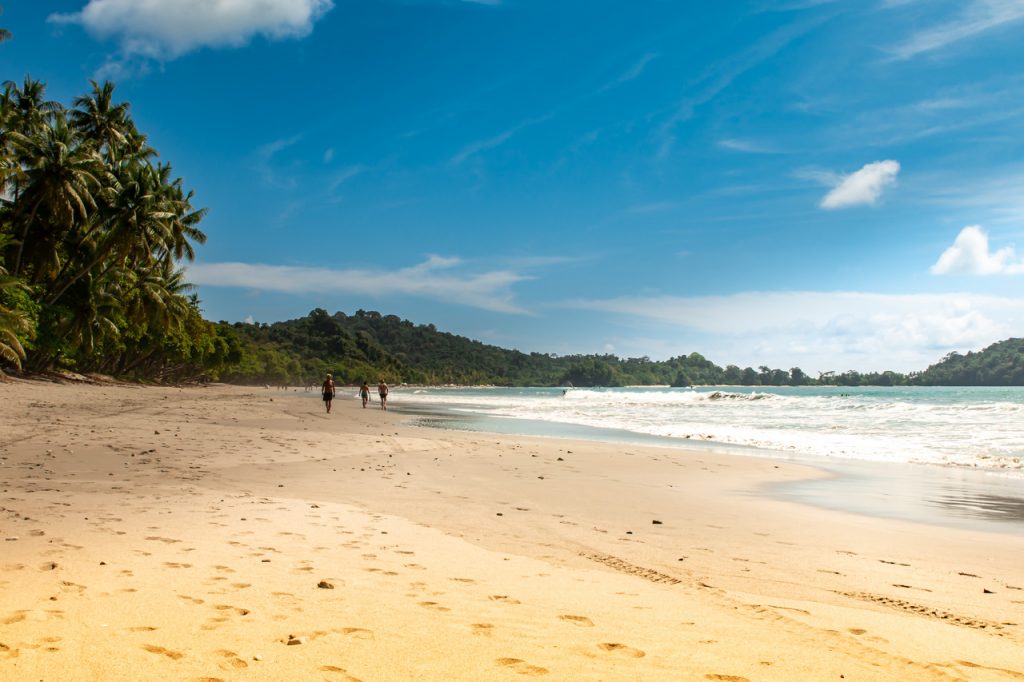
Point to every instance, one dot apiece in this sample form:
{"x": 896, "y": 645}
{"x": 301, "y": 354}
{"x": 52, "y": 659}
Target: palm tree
{"x": 12, "y": 322}
{"x": 59, "y": 173}
{"x": 99, "y": 119}
{"x": 32, "y": 110}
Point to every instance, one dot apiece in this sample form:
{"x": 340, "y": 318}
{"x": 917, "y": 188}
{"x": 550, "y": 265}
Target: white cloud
{"x": 487, "y": 290}
{"x": 329, "y": 155}
{"x": 249, "y": 320}
{"x": 165, "y": 29}
{"x": 862, "y": 187}
{"x": 969, "y": 255}
{"x": 822, "y": 331}
{"x": 977, "y": 17}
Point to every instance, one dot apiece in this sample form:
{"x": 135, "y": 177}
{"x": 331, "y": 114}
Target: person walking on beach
{"x": 364, "y": 393}
{"x": 328, "y": 391}
{"x": 382, "y": 391}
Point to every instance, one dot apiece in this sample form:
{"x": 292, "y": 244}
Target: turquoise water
{"x": 973, "y": 427}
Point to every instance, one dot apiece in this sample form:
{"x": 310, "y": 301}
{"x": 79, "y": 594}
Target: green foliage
{"x": 92, "y": 231}
{"x": 1001, "y": 364}
{"x": 368, "y": 346}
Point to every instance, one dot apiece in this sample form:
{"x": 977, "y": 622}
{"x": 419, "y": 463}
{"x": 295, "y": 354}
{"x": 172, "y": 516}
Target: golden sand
{"x": 234, "y": 533}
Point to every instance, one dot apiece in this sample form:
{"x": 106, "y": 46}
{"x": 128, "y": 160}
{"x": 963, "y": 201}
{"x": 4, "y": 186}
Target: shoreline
{"x": 954, "y": 497}
{"x": 183, "y": 532}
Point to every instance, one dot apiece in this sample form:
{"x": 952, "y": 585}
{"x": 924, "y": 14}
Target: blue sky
{"x": 830, "y": 185}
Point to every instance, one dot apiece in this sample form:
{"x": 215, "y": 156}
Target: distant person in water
{"x": 382, "y": 391}
{"x": 328, "y": 391}
{"x": 364, "y": 393}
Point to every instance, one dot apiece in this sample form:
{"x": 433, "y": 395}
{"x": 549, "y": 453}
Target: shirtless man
{"x": 328, "y": 391}
{"x": 382, "y": 391}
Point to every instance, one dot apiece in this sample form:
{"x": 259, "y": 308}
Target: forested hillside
{"x": 1001, "y": 364}
{"x": 368, "y": 345}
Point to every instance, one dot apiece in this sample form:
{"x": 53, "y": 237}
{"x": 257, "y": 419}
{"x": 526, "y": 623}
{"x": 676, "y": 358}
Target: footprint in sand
{"x": 153, "y": 649}
{"x": 581, "y": 621}
{"x": 725, "y": 678}
{"x": 232, "y": 660}
{"x": 344, "y": 676}
{"x": 356, "y": 633}
{"x": 237, "y": 610}
{"x": 522, "y": 667}
{"x": 433, "y": 606}
{"x": 504, "y": 598}
{"x": 484, "y": 629}
{"x": 622, "y": 648}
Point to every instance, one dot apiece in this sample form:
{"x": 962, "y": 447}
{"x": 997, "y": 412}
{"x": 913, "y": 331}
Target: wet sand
{"x": 231, "y": 533}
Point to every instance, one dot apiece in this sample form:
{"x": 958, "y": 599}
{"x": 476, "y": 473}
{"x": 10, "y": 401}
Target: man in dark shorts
{"x": 382, "y": 391}
{"x": 328, "y": 391}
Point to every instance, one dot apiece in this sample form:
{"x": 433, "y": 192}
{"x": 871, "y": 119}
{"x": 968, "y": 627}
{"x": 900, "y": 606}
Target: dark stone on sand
{"x": 324, "y": 585}
{"x": 985, "y": 590}
{"x": 295, "y": 641}
{"x": 560, "y": 459}
{"x": 103, "y": 563}
{"x": 629, "y": 532}
{"x": 541, "y": 477}
{"x": 655, "y": 522}
{"x": 265, "y": 561}
{"x": 499, "y": 514}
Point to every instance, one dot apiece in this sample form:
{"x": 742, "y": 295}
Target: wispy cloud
{"x": 720, "y": 76}
{"x": 632, "y": 73}
{"x": 480, "y": 146}
{"x": 158, "y": 29}
{"x": 827, "y": 330}
{"x": 432, "y": 279}
{"x": 745, "y": 146}
{"x": 862, "y": 187}
{"x": 970, "y": 255}
{"x": 976, "y": 18}
{"x": 344, "y": 175}
{"x": 266, "y": 166}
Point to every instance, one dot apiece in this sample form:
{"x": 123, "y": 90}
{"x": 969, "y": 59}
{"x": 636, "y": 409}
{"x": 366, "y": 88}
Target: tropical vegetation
{"x": 93, "y": 228}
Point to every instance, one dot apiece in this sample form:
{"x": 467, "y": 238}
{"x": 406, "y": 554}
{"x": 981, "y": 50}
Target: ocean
{"x": 949, "y": 455}
{"x": 974, "y": 427}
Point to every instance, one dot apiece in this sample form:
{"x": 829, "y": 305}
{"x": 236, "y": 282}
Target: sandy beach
{"x": 226, "y": 533}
